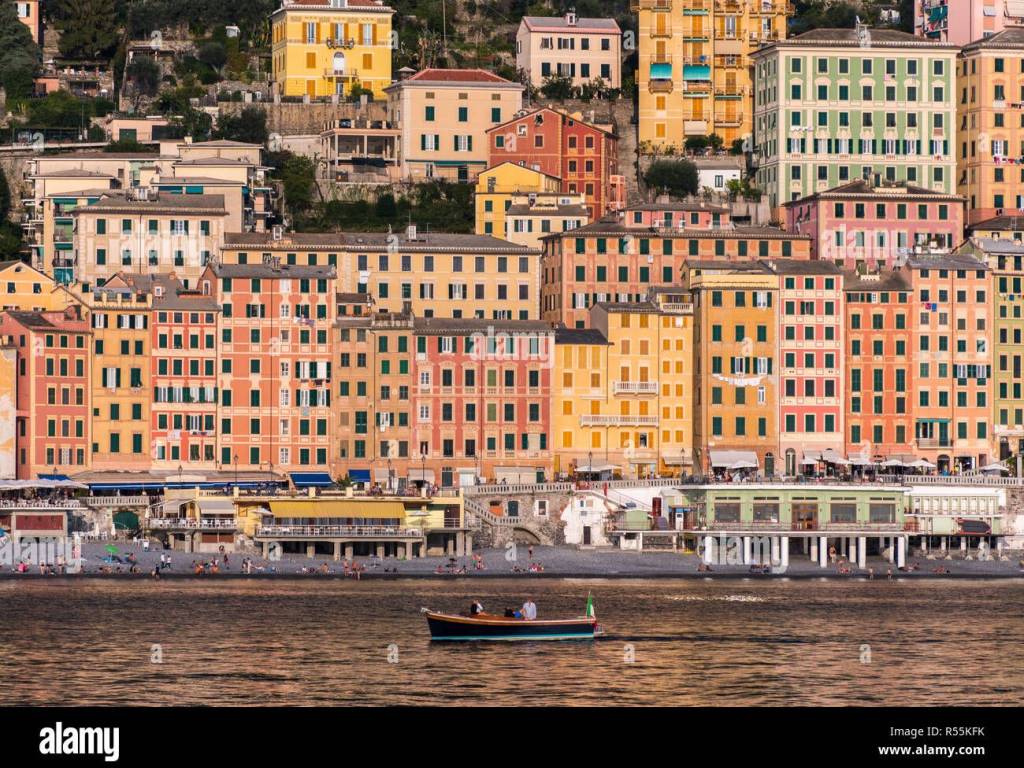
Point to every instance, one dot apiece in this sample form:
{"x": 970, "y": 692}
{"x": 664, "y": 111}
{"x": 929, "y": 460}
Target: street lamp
{"x": 423, "y": 470}
{"x": 389, "y": 474}
{"x": 236, "y": 470}
{"x": 590, "y": 465}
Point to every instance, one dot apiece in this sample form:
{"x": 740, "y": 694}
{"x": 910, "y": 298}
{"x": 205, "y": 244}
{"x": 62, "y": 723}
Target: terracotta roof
{"x": 1011, "y": 37}
{"x": 467, "y": 76}
{"x": 376, "y": 241}
{"x": 887, "y": 280}
{"x": 803, "y": 267}
{"x": 559, "y": 23}
{"x": 861, "y": 188}
{"x": 462, "y": 325}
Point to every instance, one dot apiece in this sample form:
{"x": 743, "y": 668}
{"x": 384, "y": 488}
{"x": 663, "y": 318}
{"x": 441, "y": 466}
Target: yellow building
{"x": 506, "y": 184}
{"x": 623, "y": 390}
{"x": 735, "y": 306}
{"x": 122, "y": 392}
{"x": 25, "y": 288}
{"x": 693, "y": 71}
{"x": 327, "y": 47}
{"x": 990, "y": 73}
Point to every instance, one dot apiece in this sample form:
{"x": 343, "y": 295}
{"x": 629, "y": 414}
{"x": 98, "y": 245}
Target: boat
{"x": 485, "y": 626}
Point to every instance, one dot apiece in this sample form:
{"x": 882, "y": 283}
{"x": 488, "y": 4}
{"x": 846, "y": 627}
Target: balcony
{"x": 660, "y": 86}
{"x": 190, "y": 523}
{"x": 337, "y": 532}
{"x": 677, "y": 307}
{"x": 635, "y": 387}
{"x": 934, "y": 442}
{"x": 597, "y": 420}
{"x": 652, "y": 5}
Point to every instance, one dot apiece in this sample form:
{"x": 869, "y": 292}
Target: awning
{"x": 17, "y": 485}
{"x": 597, "y": 468}
{"x": 311, "y": 479}
{"x": 54, "y": 477}
{"x": 728, "y": 458}
{"x": 661, "y": 71}
{"x": 421, "y": 475}
{"x": 811, "y": 458}
{"x": 696, "y": 72}
{"x": 359, "y": 475}
{"x": 326, "y": 507}
{"x": 829, "y": 456}
{"x": 382, "y": 475}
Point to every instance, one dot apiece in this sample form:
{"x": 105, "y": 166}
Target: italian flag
{"x": 590, "y": 607}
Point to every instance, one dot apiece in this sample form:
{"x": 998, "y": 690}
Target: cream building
{"x": 581, "y": 49}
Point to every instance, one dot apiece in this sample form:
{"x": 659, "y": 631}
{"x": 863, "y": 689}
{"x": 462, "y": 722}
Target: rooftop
{"x": 888, "y": 280}
{"x": 1001, "y": 223}
{"x": 425, "y": 241}
{"x": 946, "y": 261}
{"x": 272, "y": 271}
{"x": 832, "y": 37}
{"x": 565, "y": 335}
{"x": 166, "y": 203}
{"x": 469, "y": 77}
{"x": 1009, "y": 38}
{"x": 560, "y": 23}
{"x": 464, "y": 325}
{"x": 861, "y": 188}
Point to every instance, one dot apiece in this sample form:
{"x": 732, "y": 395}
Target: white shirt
{"x": 529, "y": 610}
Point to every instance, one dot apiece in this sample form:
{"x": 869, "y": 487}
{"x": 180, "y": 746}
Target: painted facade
{"x": 583, "y": 50}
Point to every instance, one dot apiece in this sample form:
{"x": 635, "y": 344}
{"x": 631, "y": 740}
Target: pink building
{"x": 964, "y": 21}
{"x": 811, "y": 363}
{"x": 678, "y": 215}
{"x": 860, "y": 225}
{"x": 482, "y": 402}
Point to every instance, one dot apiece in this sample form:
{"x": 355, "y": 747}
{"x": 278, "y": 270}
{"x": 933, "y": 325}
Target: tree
{"x": 697, "y": 143}
{"x": 88, "y": 29}
{"x": 674, "y": 177}
{"x": 10, "y": 237}
{"x": 19, "y": 56}
{"x": 213, "y": 55}
{"x": 737, "y": 147}
{"x": 557, "y": 87}
{"x": 249, "y": 125}
{"x": 144, "y": 74}
{"x": 296, "y": 175}
{"x": 716, "y": 142}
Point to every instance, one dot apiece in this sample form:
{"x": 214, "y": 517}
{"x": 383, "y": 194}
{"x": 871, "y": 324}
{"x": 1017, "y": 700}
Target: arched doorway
{"x": 790, "y": 462}
{"x": 942, "y": 464}
{"x": 769, "y": 465}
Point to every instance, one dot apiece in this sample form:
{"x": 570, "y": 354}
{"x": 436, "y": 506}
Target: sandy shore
{"x": 549, "y": 562}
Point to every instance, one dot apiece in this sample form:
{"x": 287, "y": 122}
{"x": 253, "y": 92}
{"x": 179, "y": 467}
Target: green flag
{"x": 590, "y": 606}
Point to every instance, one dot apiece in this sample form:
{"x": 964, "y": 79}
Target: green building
{"x": 836, "y": 105}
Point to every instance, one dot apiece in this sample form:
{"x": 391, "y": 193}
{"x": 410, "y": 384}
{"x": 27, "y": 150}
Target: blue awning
{"x": 696, "y": 72}
{"x": 54, "y": 477}
{"x": 359, "y": 475}
{"x": 661, "y": 71}
{"x": 157, "y": 486}
{"x": 311, "y": 479}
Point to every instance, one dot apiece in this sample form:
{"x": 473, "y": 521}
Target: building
{"x": 183, "y": 370}
{"x": 144, "y": 130}
{"x": 373, "y": 403}
{"x": 810, "y": 359}
{"x": 715, "y": 173}
{"x": 441, "y": 274}
{"x": 837, "y": 105}
{"x": 962, "y": 22}
{"x": 583, "y": 50}
{"x": 952, "y": 321}
{"x": 53, "y": 427}
{"x": 642, "y": 423}
{"x": 361, "y": 150}
{"x": 533, "y": 216}
{"x": 584, "y": 156}
{"x": 579, "y": 389}
{"x": 735, "y": 373}
{"x": 859, "y": 225}
{"x": 1005, "y": 259}
{"x": 26, "y": 288}
{"x": 275, "y": 363}
{"x": 31, "y": 14}
{"x": 142, "y": 231}
{"x": 620, "y": 259}
{"x": 482, "y": 400}
{"x": 694, "y": 59}
{"x": 331, "y": 47}
{"x": 497, "y": 185}
{"x": 445, "y": 115}
{"x": 1001, "y": 227}
{"x": 878, "y": 387}
{"x": 990, "y": 158}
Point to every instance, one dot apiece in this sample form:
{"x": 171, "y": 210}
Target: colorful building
{"x": 26, "y": 288}
{"x": 532, "y": 216}
{"x": 495, "y": 188}
{"x": 331, "y": 47}
{"x": 951, "y": 320}
{"x": 811, "y": 335}
{"x": 694, "y": 59}
{"x": 879, "y": 383}
{"x": 483, "y": 399}
{"x": 735, "y": 373}
{"x": 583, "y": 50}
{"x": 962, "y": 22}
{"x": 54, "y": 416}
{"x": 442, "y": 274}
{"x": 860, "y": 225}
{"x": 621, "y": 259}
{"x": 31, "y": 14}
{"x": 445, "y": 115}
{"x": 275, "y": 363}
{"x": 833, "y": 106}
{"x": 582, "y": 155}
{"x": 990, "y": 156}
{"x": 579, "y": 388}
{"x": 1000, "y": 227}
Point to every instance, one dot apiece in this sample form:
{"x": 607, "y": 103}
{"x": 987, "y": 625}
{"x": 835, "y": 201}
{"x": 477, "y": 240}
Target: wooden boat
{"x": 485, "y": 626}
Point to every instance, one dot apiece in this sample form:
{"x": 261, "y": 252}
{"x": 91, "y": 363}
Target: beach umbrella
{"x": 922, "y": 464}
{"x": 112, "y": 549}
{"x": 995, "y": 467}
{"x": 744, "y": 464}
{"x": 893, "y": 463}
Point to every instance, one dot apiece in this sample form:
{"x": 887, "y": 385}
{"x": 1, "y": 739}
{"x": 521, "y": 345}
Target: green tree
{"x": 557, "y": 87}
{"x": 144, "y": 74}
{"x": 674, "y": 177}
{"x": 19, "y": 56}
{"x": 10, "y": 237}
{"x": 88, "y": 28}
{"x": 296, "y": 175}
{"x": 213, "y": 55}
{"x": 249, "y": 125}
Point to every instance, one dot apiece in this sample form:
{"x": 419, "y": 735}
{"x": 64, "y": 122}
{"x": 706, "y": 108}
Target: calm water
{"x": 693, "y": 643}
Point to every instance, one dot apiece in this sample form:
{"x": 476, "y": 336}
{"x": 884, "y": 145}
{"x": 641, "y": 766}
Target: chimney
{"x": 410, "y": 232}
{"x": 570, "y": 17}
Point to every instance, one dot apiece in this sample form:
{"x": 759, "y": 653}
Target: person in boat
{"x": 475, "y": 608}
{"x": 529, "y": 610}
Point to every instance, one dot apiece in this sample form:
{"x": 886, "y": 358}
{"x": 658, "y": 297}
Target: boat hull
{"x": 447, "y": 627}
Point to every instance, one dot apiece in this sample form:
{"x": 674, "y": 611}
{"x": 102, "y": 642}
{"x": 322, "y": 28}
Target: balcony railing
{"x": 635, "y": 387}
{"x": 934, "y": 442}
{"x": 337, "y": 531}
{"x": 191, "y": 523}
{"x": 591, "y": 420}
{"x": 782, "y": 526}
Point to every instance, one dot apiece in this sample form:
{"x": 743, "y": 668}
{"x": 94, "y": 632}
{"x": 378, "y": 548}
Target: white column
{"x": 784, "y": 554}
{"x": 963, "y": 543}
{"x": 944, "y": 543}
{"x": 823, "y": 551}
{"x": 775, "y": 547}
{"x": 924, "y": 544}
{"x": 709, "y": 549}
{"x": 814, "y": 547}
{"x": 746, "y": 550}
{"x": 892, "y": 549}
{"x": 862, "y": 552}
{"x": 901, "y": 551}
{"x": 851, "y": 549}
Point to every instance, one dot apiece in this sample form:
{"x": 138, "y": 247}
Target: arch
{"x": 769, "y": 464}
{"x": 525, "y": 536}
{"x": 338, "y": 63}
{"x": 790, "y": 462}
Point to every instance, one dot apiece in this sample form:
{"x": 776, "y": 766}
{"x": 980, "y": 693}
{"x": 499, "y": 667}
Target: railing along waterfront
{"x": 800, "y": 527}
{"x": 344, "y": 531}
{"x": 189, "y": 522}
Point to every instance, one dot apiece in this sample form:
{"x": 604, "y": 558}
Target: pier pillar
{"x": 784, "y": 551}
{"x": 901, "y": 551}
{"x": 310, "y": 550}
{"x": 891, "y": 549}
{"x": 380, "y": 551}
{"x": 944, "y": 543}
{"x": 349, "y": 551}
{"x": 451, "y": 546}
{"x": 747, "y": 541}
{"x": 469, "y": 543}
{"x": 851, "y": 549}
{"x": 266, "y": 548}
{"x": 775, "y": 557}
{"x": 460, "y": 544}
{"x": 823, "y": 551}
{"x": 806, "y": 544}
{"x": 709, "y": 550}
{"x": 963, "y": 544}
{"x": 924, "y": 545}
{"x": 337, "y": 551}
{"x": 862, "y": 552}
{"x": 814, "y": 547}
